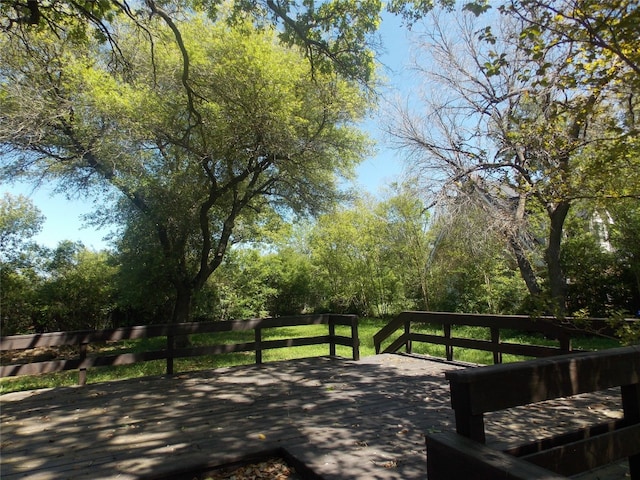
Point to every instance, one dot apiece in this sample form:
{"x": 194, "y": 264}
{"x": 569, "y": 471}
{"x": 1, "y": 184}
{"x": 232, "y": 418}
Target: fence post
{"x": 447, "y": 346}
{"x": 171, "y": 342}
{"x": 355, "y": 338}
{"x": 258, "y": 344}
{"x": 407, "y": 333}
{"x": 332, "y": 337}
{"x": 82, "y": 372}
{"x": 495, "y": 341}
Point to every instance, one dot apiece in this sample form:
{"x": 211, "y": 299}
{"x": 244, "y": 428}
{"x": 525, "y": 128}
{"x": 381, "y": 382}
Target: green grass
{"x": 367, "y": 328}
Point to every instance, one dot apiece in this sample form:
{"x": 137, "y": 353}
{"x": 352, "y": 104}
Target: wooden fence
{"x": 547, "y": 326}
{"x": 83, "y": 339}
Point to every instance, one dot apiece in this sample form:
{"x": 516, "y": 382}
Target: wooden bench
{"x": 476, "y": 391}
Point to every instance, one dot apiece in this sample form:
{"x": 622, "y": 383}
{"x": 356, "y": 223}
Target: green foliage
{"x": 19, "y": 259}
{"x": 77, "y": 291}
{"x": 353, "y": 261}
{"x": 414, "y": 10}
{"x": 246, "y": 132}
{"x": 77, "y": 18}
{"x": 143, "y": 290}
{"x": 333, "y": 35}
{"x": 625, "y": 239}
{"x": 600, "y": 282}
{"x": 604, "y": 35}
{"x": 18, "y": 295}
{"x": 20, "y": 220}
{"x": 71, "y": 288}
{"x": 382, "y": 257}
{"x": 406, "y": 241}
{"x": 588, "y": 51}
{"x": 335, "y": 244}
{"x": 67, "y": 288}
{"x": 240, "y": 288}
{"x": 470, "y": 270}
{"x": 292, "y": 277}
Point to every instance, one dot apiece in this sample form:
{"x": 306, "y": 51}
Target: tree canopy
{"x": 202, "y": 125}
{"x": 255, "y": 131}
{"x": 334, "y": 34}
{"x": 525, "y": 121}
{"x": 20, "y": 220}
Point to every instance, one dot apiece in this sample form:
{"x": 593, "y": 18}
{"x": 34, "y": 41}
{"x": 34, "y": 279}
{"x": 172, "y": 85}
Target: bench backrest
{"x": 475, "y": 391}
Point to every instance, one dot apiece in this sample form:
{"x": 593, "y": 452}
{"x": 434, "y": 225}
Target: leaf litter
{"x": 271, "y": 469}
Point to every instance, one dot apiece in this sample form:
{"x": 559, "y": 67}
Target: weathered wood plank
{"x": 81, "y": 339}
{"x": 498, "y": 387}
{"x": 475, "y": 392}
{"x": 589, "y": 453}
{"x": 559, "y": 440}
{"x": 452, "y": 456}
{"x": 346, "y": 419}
{"x": 53, "y": 339}
{"x": 488, "y": 345}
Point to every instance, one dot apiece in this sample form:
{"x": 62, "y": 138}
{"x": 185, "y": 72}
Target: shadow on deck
{"x": 341, "y": 418}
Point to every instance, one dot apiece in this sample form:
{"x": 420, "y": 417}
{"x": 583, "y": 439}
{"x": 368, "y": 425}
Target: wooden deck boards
{"x": 343, "y": 419}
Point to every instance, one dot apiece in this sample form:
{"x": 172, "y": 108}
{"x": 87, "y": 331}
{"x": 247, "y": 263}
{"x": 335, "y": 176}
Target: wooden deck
{"x": 343, "y": 419}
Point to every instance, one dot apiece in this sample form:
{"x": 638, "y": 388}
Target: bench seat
{"x": 476, "y": 391}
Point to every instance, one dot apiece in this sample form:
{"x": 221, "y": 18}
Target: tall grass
{"x": 367, "y": 328}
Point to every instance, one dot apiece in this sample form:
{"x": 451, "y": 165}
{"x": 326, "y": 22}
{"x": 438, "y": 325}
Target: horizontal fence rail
{"x": 547, "y": 326}
{"x": 83, "y": 339}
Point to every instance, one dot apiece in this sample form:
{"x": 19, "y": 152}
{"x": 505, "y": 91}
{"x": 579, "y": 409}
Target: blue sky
{"x": 64, "y": 217}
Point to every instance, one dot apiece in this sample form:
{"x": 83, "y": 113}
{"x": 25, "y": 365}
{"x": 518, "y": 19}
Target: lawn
{"x": 367, "y": 328}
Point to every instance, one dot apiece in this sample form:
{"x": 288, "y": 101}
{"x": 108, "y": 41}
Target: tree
{"x": 334, "y": 34}
{"x": 256, "y": 131}
{"x": 601, "y": 45}
{"x": 510, "y": 133}
{"x": 404, "y": 233}
{"x": 241, "y": 288}
{"x": 291, "y": 275}
{"x": 337, "y": 247}
{"x": 77, "y": 291}
{"x": 59, "y": 16}
{"x": 371, "y": 256}
{"x": 604, "y": 35}
{"x": 625, "y": 241}
{"x": 20, "y": 220}
{"x": 470, "y": 267}
{"x": 600, "y": 281}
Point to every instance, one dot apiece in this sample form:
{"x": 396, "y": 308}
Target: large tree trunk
{"x": 182, "y": 307}
{"x": 182, "y": 311}
{"x": 526, "y": 269}
{"x": 557, "y": 281}
{"x": 527, "y": 272}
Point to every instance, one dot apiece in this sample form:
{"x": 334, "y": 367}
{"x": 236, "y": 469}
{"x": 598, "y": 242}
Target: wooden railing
{"x": 477, "y": 391}
{"x": 83, "y": 339}
{"x": 495, "y": 323}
